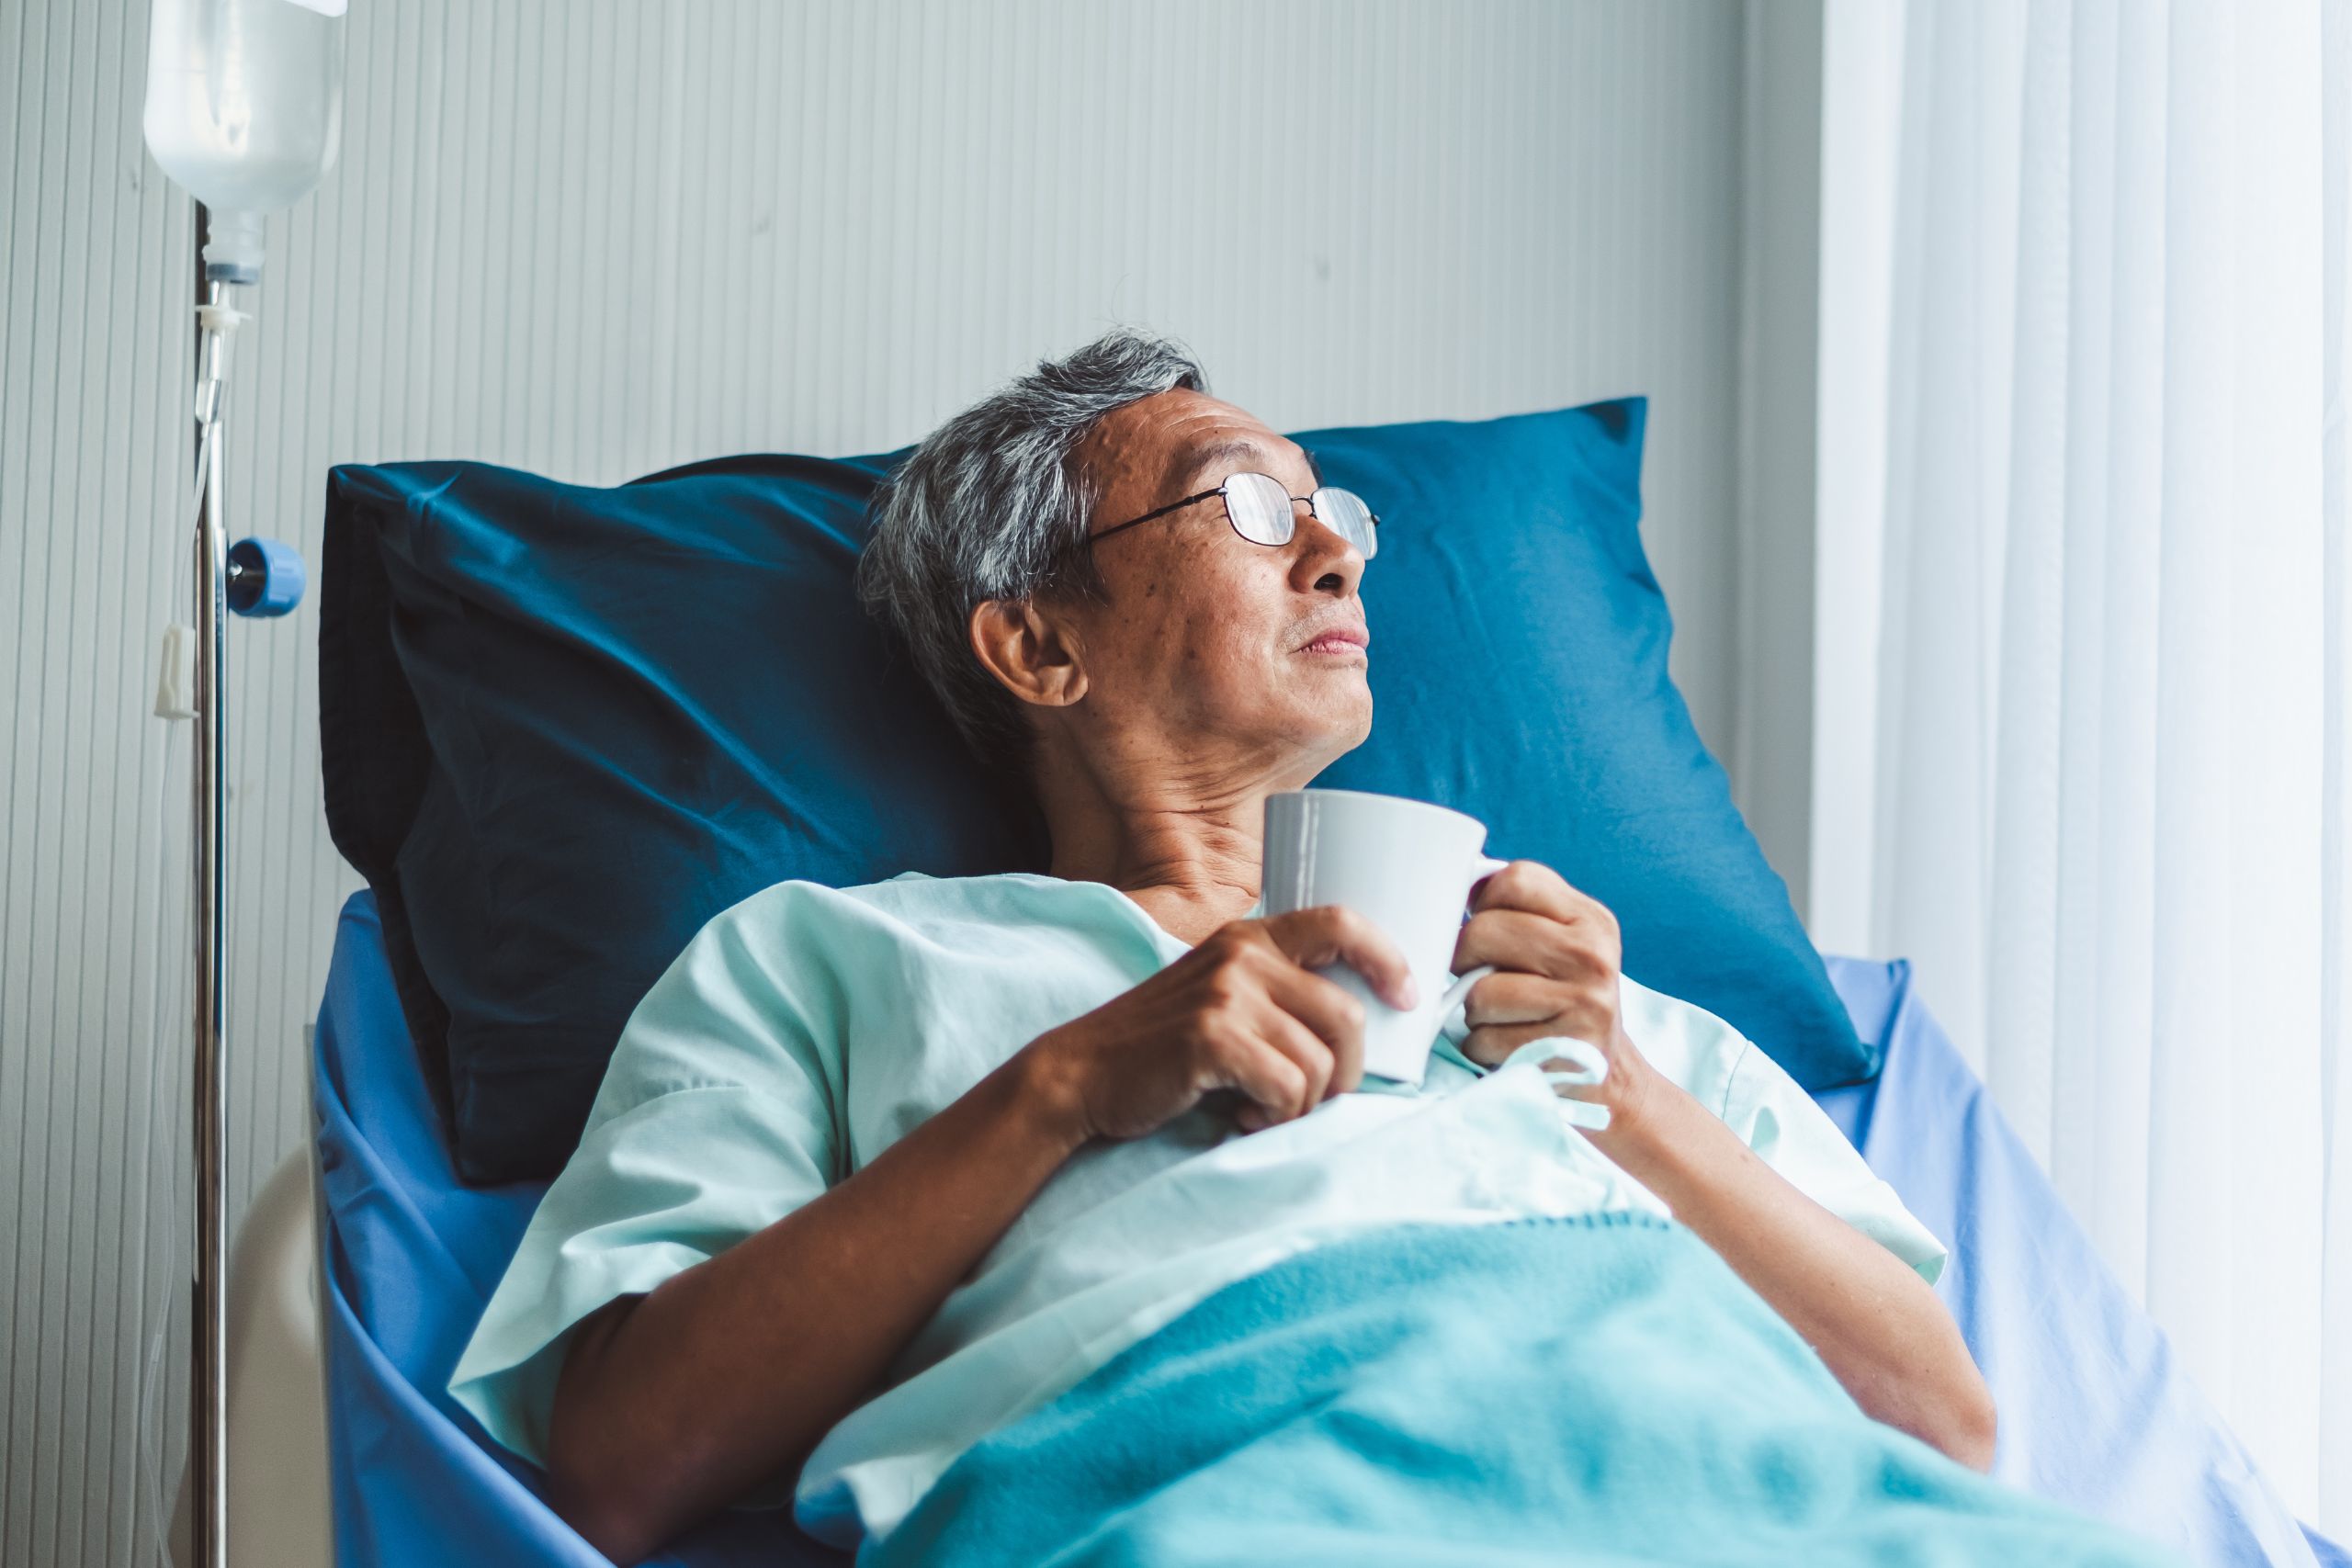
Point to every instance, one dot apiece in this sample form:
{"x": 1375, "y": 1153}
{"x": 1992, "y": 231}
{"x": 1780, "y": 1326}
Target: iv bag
{"x": 245, "y": 110}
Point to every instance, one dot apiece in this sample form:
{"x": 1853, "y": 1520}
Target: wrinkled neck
{"x": 1182, "y": 839}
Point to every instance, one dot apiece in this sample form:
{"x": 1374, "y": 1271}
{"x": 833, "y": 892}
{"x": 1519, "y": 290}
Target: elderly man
{"x": 875, "y": 1171}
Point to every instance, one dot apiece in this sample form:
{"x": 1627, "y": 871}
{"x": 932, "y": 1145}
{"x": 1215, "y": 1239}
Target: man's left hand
{"x": 1556, "y": 953}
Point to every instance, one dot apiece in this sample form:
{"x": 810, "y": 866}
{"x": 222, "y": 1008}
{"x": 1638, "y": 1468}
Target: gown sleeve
{"x": 1775, "y": 1117}
{"x": 718, "y": 1114}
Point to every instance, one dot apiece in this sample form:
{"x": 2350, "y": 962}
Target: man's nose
{"x": 1323, "y": 562}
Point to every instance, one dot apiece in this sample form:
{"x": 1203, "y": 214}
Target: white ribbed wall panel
{"x": 599, "y": 239}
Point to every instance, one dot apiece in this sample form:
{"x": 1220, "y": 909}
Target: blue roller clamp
{"x": 265, "y": 577}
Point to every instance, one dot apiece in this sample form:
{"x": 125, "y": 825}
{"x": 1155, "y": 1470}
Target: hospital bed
{"x": 2094, "y": 1411}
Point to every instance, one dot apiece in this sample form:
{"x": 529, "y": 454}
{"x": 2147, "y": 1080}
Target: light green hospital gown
{"x": 807, "y": 1028}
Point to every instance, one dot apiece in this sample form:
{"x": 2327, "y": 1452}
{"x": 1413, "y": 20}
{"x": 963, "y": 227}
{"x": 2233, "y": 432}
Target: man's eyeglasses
{"x": 1261, "y": 510}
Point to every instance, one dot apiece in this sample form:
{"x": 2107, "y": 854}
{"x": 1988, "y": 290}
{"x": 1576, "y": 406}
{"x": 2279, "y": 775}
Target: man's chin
{"x": 1350, "y": 727}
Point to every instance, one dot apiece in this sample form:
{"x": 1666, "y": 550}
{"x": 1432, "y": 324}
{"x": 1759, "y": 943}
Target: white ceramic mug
{"x": 1405, "y": 865}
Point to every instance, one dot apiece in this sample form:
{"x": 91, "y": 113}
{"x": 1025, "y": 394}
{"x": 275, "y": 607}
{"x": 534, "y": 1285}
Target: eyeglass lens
{"x": 1344, "y": 513}
{"x": 1260, "y": 508}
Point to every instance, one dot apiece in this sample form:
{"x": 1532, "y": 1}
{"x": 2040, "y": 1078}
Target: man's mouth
{"x": 1340, "y": 640}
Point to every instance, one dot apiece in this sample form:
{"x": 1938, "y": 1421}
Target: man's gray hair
{"x": 993, "y": 506}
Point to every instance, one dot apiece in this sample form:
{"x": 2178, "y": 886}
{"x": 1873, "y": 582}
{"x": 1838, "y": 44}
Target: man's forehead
{"x": 1216, "y": 455}
{"x": 1184, "y": 438}
{"x": 1220, "y": 456}
{"x": 1208, "y": 439}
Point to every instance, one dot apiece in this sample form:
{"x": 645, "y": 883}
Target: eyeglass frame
{"x": 1372, "y": 517}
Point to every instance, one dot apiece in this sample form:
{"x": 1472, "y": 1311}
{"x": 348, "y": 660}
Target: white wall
{"x": 598, "y": 239}
{"x": 1771, "y": 750}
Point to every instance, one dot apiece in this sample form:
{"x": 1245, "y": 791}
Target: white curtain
{"x": 2084, "y": 704}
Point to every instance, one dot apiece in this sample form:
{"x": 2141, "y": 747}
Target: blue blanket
{"x": 1597, "y": 1390}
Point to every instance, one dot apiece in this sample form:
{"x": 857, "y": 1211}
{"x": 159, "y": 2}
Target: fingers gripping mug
{"x": 1407, "y": 867}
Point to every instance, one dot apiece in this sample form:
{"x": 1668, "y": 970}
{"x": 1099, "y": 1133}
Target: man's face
{"x": 1225, "y": 645}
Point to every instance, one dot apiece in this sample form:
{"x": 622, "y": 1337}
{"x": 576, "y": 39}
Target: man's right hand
{"x": 1243, "y": 1011}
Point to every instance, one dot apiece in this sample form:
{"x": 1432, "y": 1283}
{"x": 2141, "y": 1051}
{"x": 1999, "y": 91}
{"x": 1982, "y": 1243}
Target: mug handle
{"x": 1588, "y": 1065}
{"x": 1486, "y": 865}
{"x": 1461, "y": 988}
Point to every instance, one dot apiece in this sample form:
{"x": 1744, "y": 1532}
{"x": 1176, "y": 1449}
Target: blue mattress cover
{"x": 2093, "y": 1412}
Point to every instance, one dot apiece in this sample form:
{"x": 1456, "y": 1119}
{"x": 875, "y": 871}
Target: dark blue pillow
{"x": 563, "y": 727}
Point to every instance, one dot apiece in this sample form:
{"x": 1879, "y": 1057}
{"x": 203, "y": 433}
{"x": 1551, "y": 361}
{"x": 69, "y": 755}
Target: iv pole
{"x": 254, "y": 577}
{"x": 209, "y": 1434}
{"x": 243, "y": 110}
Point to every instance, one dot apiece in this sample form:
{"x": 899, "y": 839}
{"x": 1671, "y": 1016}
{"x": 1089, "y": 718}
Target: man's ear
{"x": 1034, "y": 655}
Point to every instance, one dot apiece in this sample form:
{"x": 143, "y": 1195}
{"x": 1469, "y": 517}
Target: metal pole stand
{"x": 209, "y": 1435}
{"x": 254, "y": 577}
